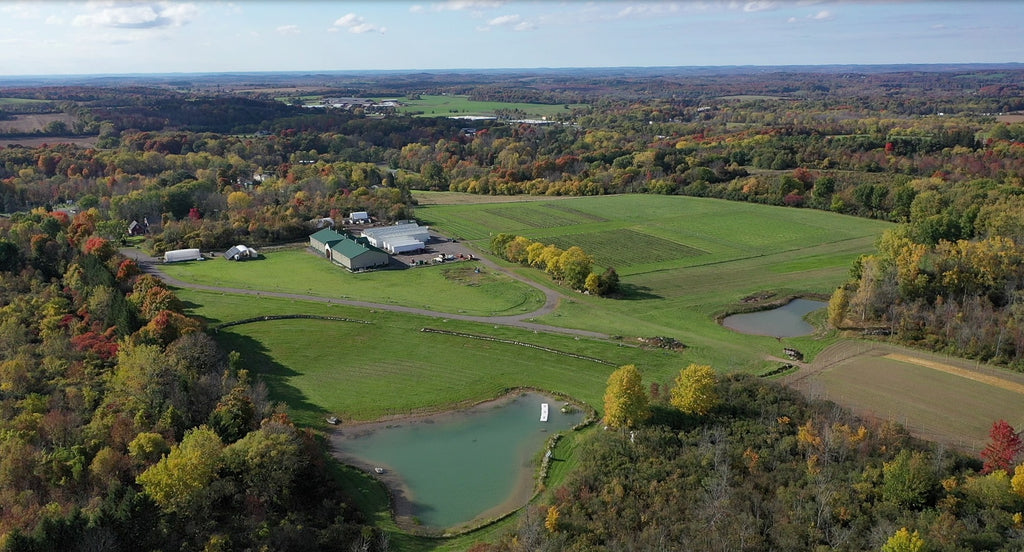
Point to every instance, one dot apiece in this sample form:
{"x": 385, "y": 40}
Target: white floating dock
{"x": 544, "y": 412}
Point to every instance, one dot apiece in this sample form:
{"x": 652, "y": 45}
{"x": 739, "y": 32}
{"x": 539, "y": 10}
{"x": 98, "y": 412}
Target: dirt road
{"x": 151, "y": 265}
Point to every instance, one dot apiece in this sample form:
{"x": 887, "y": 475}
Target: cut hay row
{"x": 964, "y": 373}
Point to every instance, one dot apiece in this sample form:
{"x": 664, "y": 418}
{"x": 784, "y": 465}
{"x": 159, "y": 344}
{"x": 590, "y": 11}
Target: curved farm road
{"x": 149, "y": 266}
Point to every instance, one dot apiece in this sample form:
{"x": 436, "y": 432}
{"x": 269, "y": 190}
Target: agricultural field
{"x": 452, "y": 105}
{"x": 33, "y": 122}
{"x": 679, "y": 231}
{"x": 452, "y": 288}
{"x": 917, "y": 390}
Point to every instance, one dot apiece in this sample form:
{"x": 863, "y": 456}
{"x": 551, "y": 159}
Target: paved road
{"x": 151, "y": 265}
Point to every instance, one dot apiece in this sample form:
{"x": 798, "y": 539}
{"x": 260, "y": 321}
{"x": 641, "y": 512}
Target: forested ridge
{"x": 123, "y": 427}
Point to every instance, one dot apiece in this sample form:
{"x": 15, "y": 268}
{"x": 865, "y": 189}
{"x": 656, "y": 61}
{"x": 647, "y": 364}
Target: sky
{"x": 44, "y": 37}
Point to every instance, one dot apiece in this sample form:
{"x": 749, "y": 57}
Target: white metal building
{"x": 176, "y": 255}
{"x": 400, "y": 238}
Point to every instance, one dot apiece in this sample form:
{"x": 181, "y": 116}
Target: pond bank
{"x": 452, "y": 472}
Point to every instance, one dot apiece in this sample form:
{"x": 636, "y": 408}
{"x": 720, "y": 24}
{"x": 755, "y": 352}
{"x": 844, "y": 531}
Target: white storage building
{"x": 176, "y": 255}
{"x": 240, "y": 253}
{"x": 400, "y": 238}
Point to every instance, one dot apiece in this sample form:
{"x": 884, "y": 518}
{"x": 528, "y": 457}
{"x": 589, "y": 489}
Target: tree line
{"x": 123, "y": 425}
{"x": 740, "y": 463}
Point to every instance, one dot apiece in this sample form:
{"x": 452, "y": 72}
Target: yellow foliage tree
{"x": 904, "y": 541}
{"x": 694, "y": 392}
{"x": 625, "y": 402}
{"x": 551, "y": 522}
{"x": 180, "y": 481}
{"x": 1017, "y": 482}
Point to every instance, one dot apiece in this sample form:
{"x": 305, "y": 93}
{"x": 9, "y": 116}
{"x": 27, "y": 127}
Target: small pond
{"x": 458, "y": 467}
{"x": 784, "y": 321}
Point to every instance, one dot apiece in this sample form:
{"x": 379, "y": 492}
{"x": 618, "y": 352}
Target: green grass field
{"x": 445, "y": 106}
{"x": 682, "y": 260}
{"x": 448, "y": 288}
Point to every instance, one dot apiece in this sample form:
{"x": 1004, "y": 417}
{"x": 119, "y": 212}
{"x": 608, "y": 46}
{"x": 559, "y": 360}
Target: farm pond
{"x": 785, "y": 321}
{"x": 457, "y": 469}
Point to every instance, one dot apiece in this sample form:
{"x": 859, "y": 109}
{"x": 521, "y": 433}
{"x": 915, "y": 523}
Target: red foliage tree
{"x": 100, "y": 247}
{"x": 127, "y": 270}
{"x": 1003, "y": 448}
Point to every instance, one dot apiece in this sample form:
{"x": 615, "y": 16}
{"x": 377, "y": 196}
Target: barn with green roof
{"x": 347, "y": 252}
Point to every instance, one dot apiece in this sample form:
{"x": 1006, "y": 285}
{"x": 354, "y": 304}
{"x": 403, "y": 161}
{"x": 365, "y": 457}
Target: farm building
{"x": 240, "y": 253}
{"x": 347, "y": 252}
{"x": 400, "y": 238}
{"x": 176, "y": 255}
{"x": 359, "y": 217}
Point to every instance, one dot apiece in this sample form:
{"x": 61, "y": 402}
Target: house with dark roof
{"x": 344, "y": 250}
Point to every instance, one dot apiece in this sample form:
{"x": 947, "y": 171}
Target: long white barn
{"x": 400, "y": 238}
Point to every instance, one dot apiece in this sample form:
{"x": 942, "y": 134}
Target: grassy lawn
{"x": 451, "y": 105}
{"x": 389, "y": 367}
{"x": 452, "y": 288}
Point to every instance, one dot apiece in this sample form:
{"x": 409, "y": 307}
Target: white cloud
{"x": 122, "y": 15}
{"x": 823, "y": 15}
{"x": 504, "y": 20}
{"x": 356, "y": 25}
{"x": 460, "y": 5}
{"x": 289, "y": 30}
{"x": 759, "y": 5}
{"x": 655, "y": 9}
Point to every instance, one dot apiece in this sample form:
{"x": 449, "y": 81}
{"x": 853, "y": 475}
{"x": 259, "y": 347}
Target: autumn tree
{"x": 1002, "y": 449}
{"x": 695, "y": 390}
{"x": 574, "y": 265}
{"x": 181, "y": 481}
{"x": 904, "y": 541}
{"x": 837, "y": 306}
{"x": 551, "y": 520}
{"x": 625, "y": 402}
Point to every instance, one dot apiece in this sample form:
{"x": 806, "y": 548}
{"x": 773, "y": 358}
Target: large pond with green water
{"x": 785, "y": 321}
{"x": 462, "y": 467}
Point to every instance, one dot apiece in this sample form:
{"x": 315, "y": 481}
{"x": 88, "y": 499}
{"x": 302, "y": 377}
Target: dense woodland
{"x": 119, "y": 415}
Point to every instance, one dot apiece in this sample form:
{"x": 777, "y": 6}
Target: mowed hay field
{"x": 682, "y": 261}
{"x": 939, "y": 398}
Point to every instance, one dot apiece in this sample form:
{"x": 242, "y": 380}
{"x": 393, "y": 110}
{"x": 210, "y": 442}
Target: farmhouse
{"x": 176, "y": 255}
{"x": 240, "y": 253}
{"x": 349, "y": 253}
{"x": 399, "y": 238}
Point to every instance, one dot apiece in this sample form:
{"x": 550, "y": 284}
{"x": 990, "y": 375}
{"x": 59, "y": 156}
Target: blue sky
{"x": 46, "y": 37}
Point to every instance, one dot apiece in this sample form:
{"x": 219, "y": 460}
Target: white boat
{"x": 544, "y": 412}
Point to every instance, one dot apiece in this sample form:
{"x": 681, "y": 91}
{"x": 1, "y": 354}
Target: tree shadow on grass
{"x": 633, "y": 292}
{"x": 256, "y": 358}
